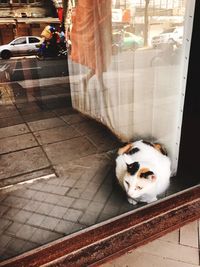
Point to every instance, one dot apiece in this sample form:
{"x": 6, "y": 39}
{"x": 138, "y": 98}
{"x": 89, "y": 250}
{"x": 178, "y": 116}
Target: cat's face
{"x": 138, "y": 180}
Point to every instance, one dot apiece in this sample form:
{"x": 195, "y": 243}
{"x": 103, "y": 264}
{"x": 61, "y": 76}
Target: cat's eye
{"x": 138, "y": 187}
{"x": 127, "y": 183}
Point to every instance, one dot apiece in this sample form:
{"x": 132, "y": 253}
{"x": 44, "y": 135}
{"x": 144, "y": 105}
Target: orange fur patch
{"x": 160, "y": 148}
{"x": 141, "y": 171}
{"x": 125, "y": 149}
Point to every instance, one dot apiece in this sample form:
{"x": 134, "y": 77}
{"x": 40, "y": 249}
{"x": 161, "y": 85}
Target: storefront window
{"x": 114, "y": 72}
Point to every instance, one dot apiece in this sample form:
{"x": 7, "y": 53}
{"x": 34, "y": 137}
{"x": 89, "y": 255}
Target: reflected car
{"x": 123, "y": 40}
{"x": 173, "y": 35}
{"x": 24, "y": 45}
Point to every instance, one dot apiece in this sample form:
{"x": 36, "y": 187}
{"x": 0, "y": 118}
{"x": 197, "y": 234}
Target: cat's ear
{"x": 133, "y": 167}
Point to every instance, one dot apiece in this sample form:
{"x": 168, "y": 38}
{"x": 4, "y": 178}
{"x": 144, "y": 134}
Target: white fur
{"x": 147, "y": 157}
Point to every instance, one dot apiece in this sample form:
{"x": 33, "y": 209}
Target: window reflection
{"x": 127, "y": 75}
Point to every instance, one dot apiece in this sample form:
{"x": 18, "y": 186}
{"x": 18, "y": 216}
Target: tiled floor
{"x": 42, "y": 136}
{"x": 177, "y": 249}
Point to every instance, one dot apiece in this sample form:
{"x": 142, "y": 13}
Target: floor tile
{"x": 15, "y": 143}
{"x": 141, "y": 259}
{"x": 189, "y": 235}
{"x": 68, "y": 150}
{"x": 20, "y": 162}
{"x": 172, "y": 251}
{"x": 45, "y": 124}
{"x": 56, "y": 134}
{"x": 13, "y": 130}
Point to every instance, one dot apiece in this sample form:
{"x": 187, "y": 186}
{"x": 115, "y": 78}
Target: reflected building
{"x": 26, "y": 17}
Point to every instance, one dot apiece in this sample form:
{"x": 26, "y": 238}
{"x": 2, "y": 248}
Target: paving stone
{"x": 45, "y": 124}
{"x": 65, "y": 201}
{"x": 95, "y": 207}
{"x": 77, "y": 227}
{"x": 172, "y": 237}
{"x": 11, "y": 212}
{"x": 42, "y": 236}
{"x": 29, "y": 108}
{"x": 45, "y": 208}
{"x": 52, "y": 198}
{"x": 139, "y": 259}
{"x": 172, "y": 251}
{"x": 26, "y": 232}
{"x": 56, "y": 134}
{"x": 26, "y": 193}
{"x": 89, "y": 218}
{"x": 20, "y": 162}
{"x": 72, "y": 215}
{"x": 88, "y": 127}
{"x": 16, "y": 120}
{"x": 64, "y": 227}
{"x": 49, "y": 223}
{"x": 60, "y": 190}
{"x": 104, "y": 141}
{"x": 90, "y": 191}
{"x": 81, "y": 204}
{"x": 13, "y": 130}
{"x": 22, "y": 216}
{"x": 189, "y": 235}
{"x": 14, "y": 201}
{"x": 25, "y": 177}
{"x": 42, "y": 115}
{"x": 15, "y": 143}
{"x": 36, "y": 219}
{"x": 58, "y": 212}
{"x": 14, "y": 228}
{"x": 68, "y": 150}
{"x": 32, "y": 205}
{"x": 16, "y": 245}
{"x": 74, "y": 118}
{"x": 41, "y": 196}
{"x": 3, "y": 210}
{"x": 75, "y": 192}
{"x": 45, "y": 187}
{"x": 8, "y": 111}
{"x": 103, "y": 193}
{"x": 4, "y": 240}
{"x": 28, "y": 246}
{"x": 64, "y": 111}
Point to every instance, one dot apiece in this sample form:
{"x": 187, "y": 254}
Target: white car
{"x": 24, "y": 45}
{"x": 172, "y": 35}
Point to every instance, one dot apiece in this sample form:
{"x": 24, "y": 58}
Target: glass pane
{"x": 33, "y": 40}
{"x": 114, "y": 73}
{"x": 20, "y": 41}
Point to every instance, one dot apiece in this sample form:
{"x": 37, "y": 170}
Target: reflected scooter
{"x": 47, "y": 50}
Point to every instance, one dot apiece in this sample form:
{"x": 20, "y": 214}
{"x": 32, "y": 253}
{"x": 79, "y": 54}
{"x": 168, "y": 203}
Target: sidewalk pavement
{"x": 176, "y": 249}
{"x": 68, "y": 160}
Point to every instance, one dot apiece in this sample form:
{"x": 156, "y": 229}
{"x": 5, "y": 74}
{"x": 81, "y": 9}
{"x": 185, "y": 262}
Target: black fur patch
{"x": 146, "y": 174}
{"x": 147, "y": 143}
{"x": 163, "y": 151}
{"x": 133, "y": 167}
{"x": 133, "y": 151}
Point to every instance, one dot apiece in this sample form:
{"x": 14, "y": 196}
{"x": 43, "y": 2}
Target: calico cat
{"x": 143, "y": 171}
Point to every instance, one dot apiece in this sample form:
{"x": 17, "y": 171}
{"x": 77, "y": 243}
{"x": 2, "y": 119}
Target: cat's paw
{"x": 132, "y": 201}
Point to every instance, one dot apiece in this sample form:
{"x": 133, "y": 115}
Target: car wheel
{"x": 5, "y": 54}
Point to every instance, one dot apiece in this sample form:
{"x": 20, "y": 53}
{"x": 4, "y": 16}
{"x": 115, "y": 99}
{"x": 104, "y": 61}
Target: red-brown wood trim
{"x": 114, "y": 237}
